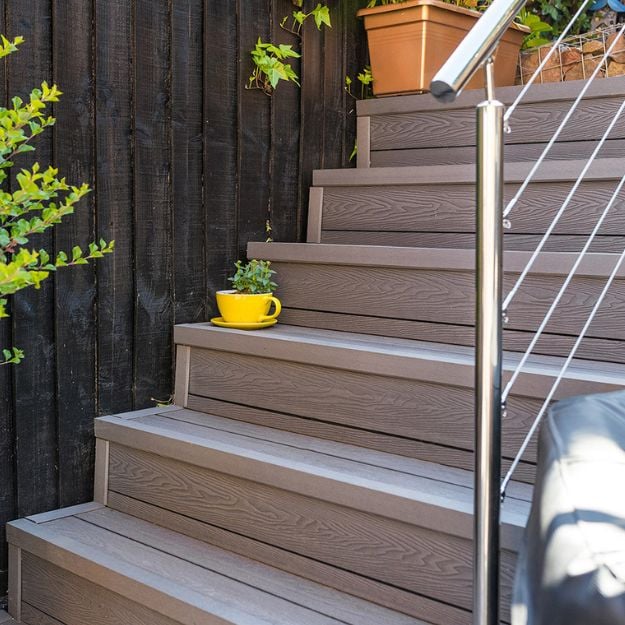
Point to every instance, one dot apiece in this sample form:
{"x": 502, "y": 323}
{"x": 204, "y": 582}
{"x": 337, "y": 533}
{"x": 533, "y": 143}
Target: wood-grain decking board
{"x": 448, "y": 297}
{"x": 291, "y": 500}
{"x": 419, "y": 121}
{"x": 549, "y": 92}
{"x": 33, "y": 616}
{"x": 379, "y": 390}
{"x": 400, "y": 488}
{"x": 438, "y": 413}
{"x": 450, "y": 207}
{"x": 406, "y": 447}
{"x": 50, "y": 591}
{"x": 466, "y": 240}
{"x": 107, "y": 567}
{"x": 313, "y": 570}
{"x": 515, "y": 152}
{"x": 549, "y": 171}
{"x": 514, "y": 341}
{"x": 401, "y": 291}
{"x": 417, "y": 559}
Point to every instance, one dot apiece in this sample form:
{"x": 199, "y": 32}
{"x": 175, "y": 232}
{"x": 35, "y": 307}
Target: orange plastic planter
{"x": 409, "y": 42}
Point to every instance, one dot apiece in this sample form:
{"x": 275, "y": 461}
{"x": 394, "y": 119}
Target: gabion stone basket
{"x": 576, "y": 58}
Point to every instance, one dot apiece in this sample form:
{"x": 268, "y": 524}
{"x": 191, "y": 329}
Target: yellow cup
{"x": 241, "y": 308}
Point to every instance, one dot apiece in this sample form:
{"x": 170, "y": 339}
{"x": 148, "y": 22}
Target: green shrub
{"x": 37, "y": 200}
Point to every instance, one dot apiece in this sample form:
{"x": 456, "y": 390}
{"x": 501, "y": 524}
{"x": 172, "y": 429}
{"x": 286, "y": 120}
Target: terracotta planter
{"x": 409, "y": 42}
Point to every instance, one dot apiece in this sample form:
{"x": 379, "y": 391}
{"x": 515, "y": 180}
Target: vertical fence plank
{"x": 254, "y": 130}
{"x": 311, "y": 145}
{"x": 187, "y": 150}
{"x": 114, "y": 201}
{"x": 354, "y": 61}
{"x": 75, "y": 290}
{"x": 187, "y": 166}
{"x": 285, "y": 139}
{"x": 334, "y": 117}
{"x": 221, "y": 91}
{"x": 33, "y": 310}
{"x": 7, "y": 439}
{"x": 153, "y": 217}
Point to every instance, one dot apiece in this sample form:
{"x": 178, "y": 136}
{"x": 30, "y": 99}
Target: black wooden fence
{"x": 187, "y": 166}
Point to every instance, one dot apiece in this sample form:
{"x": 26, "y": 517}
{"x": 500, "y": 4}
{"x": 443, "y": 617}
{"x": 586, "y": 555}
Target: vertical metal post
{"x": 488, "y": 355}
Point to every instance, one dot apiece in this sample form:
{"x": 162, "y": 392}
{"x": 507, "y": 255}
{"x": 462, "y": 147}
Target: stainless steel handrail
{"x": 488, "y": 355}
{"x": 475, "y": 49}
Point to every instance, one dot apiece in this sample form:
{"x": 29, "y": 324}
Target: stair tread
{"x": 550, "y": 171}
{"x": 424, "y": 258}
{"x": 414, "y": 359}
{"x": 186, "y": 579}
{"x": 424, "y": 493}
{"x": 472, "y": 97}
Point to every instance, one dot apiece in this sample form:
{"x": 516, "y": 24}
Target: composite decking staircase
{"x": 319, "y": 472}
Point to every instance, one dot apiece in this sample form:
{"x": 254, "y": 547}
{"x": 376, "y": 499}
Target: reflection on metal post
{"x": 488, "y": 355}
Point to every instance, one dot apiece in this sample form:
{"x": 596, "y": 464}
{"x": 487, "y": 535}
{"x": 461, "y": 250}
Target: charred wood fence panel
{"x": 186, "y": 166}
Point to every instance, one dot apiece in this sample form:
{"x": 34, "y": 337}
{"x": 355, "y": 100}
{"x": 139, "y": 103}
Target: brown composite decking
{"x": 428, "y": 294}
{"x": 417, "y": 130}
{"x": 434, "y": 206}
{"x": 319, "y": 472}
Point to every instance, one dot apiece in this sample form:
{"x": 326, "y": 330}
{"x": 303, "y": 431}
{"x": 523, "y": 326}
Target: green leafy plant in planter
{"x": 558, "y": 14}
{"x": 538, "y": 29}
{"x": 38, "y": 200}
{"x": 467, "y": 4}
{"x": 247, "y": 305}
{"x": 253, "y": 277}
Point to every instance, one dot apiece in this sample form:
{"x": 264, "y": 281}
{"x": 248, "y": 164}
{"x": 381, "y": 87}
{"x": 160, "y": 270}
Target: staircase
{"x": 320, "y": 472}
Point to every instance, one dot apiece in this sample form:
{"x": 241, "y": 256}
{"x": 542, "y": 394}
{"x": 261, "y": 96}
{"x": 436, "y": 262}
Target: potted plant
{"x": 409, "y": 40}
{"x": 246, "y": 306}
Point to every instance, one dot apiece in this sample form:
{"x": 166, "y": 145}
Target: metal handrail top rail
{"x": 475, "y": 49}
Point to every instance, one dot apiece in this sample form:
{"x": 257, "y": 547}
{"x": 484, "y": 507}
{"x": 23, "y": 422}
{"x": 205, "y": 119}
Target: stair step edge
{"x": 94, "y": 544}
{"x": 550, "y": 171}
{"x": 549, "y": 92}
{"x": 401, "y": 358}
{"x": 129, "y": 581}
{"x": 425, "y": 502}
{"x": 595, "y": 264}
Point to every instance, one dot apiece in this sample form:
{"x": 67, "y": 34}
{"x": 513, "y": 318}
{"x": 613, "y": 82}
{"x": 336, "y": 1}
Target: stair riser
{"x": 604, "y": 350}
{"x": 565, "y": 150}
{"x": 438, "y": 414}
{"x": 416, "y": 559}
{"x": 54, "y": 596}
{"x": 393, "y": 598}
{"x": 465, "y": 240}
{"x": 450, "y": 208}
{"x": 446, "y": 297}
{"x": 534, "y": 122}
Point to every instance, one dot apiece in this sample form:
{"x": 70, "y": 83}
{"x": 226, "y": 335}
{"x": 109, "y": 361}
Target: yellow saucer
{"x": 219, "y": 321}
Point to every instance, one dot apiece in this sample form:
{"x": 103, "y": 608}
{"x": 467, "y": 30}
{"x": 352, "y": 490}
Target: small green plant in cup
{"x": 246, "y": 306}
{"x": 253, "y": 277}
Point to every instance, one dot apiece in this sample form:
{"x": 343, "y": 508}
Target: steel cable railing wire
{"x": 520, "y": 366}
{"x": 562, "y": 210}
{"x": 556, "y": 384}
{"x": 517, "y": 196}
{"x": 573, "y": 271}
{"x": 554, "y": 47}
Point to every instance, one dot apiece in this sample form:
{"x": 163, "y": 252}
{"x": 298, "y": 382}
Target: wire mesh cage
{"x": 576, "y": 58}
